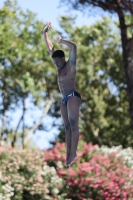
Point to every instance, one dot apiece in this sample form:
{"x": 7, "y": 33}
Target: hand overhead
{"x": 59, "y": 39}
{"x": 46, "y": 28}
{"x": 46, "y": 38}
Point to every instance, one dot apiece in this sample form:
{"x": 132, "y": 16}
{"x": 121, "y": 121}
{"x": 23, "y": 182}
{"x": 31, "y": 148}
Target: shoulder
{"x": 71, "y": 66}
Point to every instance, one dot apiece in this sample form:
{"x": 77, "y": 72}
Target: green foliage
{"x": 26, "y": 69}
{"x": 24, "y": 55}
{"x": 129, "y": 20}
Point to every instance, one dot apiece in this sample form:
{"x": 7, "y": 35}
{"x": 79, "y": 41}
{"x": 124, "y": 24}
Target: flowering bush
{"x": 95, "y": 174}
{"x": 25, "y": 176}
{"x": 127, "y": 154}
{"x": 7, "y": 192}
{"x": 98, "y": 173}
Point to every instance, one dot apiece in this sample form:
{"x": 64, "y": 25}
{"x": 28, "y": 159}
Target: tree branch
{"x": 50, "y": 102}
{"x": 103, "y": 5}
{"x": 128, "y": 6}
{"x": 131, "y": 5}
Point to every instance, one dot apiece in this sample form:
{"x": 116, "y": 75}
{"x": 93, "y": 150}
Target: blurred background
{"x": 30, "y": 98}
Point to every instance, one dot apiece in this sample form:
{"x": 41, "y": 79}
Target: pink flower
{"x": 90, "y": 179}
{"x": 81, "y": 135}
{"x": 84, "y": 189}
{"x": 75, "y": 182}
{"x": 125, "y": 194}
{"x": 96, "y": 186}
{"x": 60, "y": 172}
{"x": 105, "y": 194}
{"x": 80, "y": 154}
{"x": 79, "y": 196}
{"x": 121, "y": 181}
{"x": 72, "y": 173}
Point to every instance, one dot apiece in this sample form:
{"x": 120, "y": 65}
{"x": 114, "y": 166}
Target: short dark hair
{"x": 58, "y": 53}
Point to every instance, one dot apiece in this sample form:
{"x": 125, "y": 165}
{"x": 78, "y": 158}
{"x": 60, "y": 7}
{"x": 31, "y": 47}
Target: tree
{"x": 26, "y": 70}
{"x": 124, "y": 10}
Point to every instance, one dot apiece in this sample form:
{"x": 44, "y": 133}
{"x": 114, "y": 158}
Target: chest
{"x": 63, "y": 74}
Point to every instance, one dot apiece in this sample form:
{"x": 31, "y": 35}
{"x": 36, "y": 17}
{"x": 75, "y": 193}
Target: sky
{"x": 49, "y": 11}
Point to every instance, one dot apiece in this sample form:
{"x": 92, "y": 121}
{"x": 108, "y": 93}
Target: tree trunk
{"x": 127, "y": 46}
{"x": 3, "y": 125}
{"x": 3, "y": 116}
{"x": 15, "y": 133}
{"x": 23, "y": 133}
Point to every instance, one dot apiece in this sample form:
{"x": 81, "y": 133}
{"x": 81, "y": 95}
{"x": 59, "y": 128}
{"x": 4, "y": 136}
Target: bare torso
{"x": 66, "y": 80}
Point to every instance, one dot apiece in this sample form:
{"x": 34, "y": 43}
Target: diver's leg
{"x": 73, "y": 105}
{"x": 64, "y": 116}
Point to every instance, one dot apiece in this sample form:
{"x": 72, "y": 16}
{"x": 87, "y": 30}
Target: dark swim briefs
{"x": 66, "y": 97}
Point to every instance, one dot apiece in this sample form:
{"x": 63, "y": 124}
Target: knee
{"x": 67, "y": 126}
{"x": 73, "y": 123}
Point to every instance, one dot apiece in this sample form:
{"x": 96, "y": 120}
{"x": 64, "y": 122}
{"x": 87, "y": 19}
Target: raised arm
{"x": 72, "y": 54}
{"x": 46, "y": 38}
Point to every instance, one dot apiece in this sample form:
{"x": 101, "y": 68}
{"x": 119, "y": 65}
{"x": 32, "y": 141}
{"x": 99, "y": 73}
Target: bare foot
{"x": 70, "y": 161}
{"x": 67, "y": 158}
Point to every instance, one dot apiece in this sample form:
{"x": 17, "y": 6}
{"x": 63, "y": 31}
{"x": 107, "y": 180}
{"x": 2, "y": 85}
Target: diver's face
{"x": 59, "y": 62}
